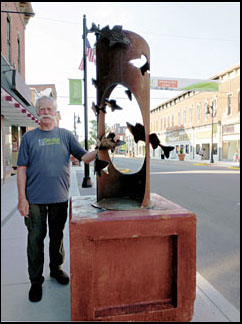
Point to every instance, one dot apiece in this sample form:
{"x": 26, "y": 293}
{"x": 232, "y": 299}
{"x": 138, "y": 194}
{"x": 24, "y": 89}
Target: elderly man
{"x": 43, "y": 179}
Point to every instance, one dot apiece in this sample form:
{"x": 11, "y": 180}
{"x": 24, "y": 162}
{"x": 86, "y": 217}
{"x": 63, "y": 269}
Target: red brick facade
{"x": 17, "y": 30}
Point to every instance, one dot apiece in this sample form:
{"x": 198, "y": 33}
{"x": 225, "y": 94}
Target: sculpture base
{"x": 136, "y": 265}
{"x": 118, "y": 204}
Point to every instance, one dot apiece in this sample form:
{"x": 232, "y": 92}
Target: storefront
{"x": 181, "y": 140}
{"x": 203, "y": 141}
{"x": 230, "y": 141}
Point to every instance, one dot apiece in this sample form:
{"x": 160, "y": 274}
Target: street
{"x": 213, "y": 194}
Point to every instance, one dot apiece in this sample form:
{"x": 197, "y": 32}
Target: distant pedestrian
{"x": 236, "y": 157}
{"x": 43, "y": 178}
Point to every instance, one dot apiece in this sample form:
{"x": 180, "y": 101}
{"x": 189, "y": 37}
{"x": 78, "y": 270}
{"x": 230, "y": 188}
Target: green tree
{"x": 92, "y": 138}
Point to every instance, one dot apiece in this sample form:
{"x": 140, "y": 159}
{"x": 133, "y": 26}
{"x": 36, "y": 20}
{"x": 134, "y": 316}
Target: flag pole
{"x": 86, "y": 180}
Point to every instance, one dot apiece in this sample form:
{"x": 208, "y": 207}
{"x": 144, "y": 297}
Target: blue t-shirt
{"x": 46, "y": 154}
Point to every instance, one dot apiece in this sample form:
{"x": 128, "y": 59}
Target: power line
{"x": 151, "y": 33}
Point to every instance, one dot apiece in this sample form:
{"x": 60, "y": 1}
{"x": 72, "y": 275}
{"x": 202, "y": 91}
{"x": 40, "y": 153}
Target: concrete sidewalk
{"x": 210, "y": 305}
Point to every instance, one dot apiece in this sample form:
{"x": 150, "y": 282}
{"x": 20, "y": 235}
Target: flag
{"x": 75, "y": 91}
{"x": 91, "y": 53}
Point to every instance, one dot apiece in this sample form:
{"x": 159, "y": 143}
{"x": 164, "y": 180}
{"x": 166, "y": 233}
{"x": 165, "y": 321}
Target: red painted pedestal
{"x": 137, "y": 265}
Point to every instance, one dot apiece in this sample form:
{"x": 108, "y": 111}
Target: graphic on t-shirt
{"x": 49, "y": 141}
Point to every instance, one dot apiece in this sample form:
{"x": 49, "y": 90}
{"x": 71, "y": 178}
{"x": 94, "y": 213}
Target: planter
{"x": 181, "y": 156}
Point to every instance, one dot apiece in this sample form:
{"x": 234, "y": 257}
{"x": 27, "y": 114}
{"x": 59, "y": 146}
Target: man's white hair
{"x": 45, "y": 97}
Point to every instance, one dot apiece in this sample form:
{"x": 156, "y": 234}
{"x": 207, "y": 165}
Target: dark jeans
{"x": 37, "y": 229}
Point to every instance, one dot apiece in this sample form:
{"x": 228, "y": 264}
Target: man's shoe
{"x": 35, "y": 292}
{"x": 60, "y": 277}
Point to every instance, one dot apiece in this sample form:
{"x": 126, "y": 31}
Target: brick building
{"x": 185, "y": 121}
{"x": 17, "y": 111}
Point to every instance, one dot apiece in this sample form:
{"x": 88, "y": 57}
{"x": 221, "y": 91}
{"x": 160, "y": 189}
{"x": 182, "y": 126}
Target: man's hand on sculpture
{"x": 109, "y": 143}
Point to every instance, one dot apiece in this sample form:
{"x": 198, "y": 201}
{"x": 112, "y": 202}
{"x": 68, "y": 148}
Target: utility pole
{"x": 86, "y": 180}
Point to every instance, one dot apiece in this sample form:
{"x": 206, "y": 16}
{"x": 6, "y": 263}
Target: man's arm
{"x": 23, "y": 205}
{"x": 89, "y": 156}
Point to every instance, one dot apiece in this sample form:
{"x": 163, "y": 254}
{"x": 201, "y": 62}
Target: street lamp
{"x": 211, "y": 112}
{"x": 76, "y": 122}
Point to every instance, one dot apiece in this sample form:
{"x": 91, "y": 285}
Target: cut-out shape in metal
{"x": 129, "y": 94}
{"x": 99, "y": 165}
{"x": 138, "y": 132}
{"x": 112, "y": 104}
{"x": 114, "y": 68}
{"x": 96, "y": 109}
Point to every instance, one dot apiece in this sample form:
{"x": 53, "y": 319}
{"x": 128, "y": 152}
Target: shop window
{"x": 187, "y": 149}
{"x": 197, "y": 148}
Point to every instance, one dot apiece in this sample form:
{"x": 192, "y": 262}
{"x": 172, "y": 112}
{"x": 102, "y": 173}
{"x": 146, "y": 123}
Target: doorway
{"x": 206, "y": 150}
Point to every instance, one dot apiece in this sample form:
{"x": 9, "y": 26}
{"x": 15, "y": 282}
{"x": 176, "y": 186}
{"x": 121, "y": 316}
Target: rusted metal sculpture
{"x": 129, "y": 265}
{"x": 114, "y": 51}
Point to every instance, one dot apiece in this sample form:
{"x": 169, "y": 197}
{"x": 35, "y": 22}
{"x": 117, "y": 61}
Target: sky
{"x": 194, "y": 40}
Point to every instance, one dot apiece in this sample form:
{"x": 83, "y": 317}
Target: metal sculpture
{"x": 115, "y": 48}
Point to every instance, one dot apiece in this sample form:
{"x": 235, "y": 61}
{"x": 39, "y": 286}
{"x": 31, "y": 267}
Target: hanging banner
{"x": 178, "y": 84}
{"x": 75, "y": 91}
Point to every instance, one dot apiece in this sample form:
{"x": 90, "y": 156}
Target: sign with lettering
{"x": 178, "y": 84}
{"x": 75, "y": 91}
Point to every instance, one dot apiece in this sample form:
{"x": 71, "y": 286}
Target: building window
{"x": 179, "y": 118}
{"x": 190, "y": 115}
{"x": 229, "y": 104}
{"x": 161, "y": 124}
{"x": 184, "y": 117}
{"x": 198, "y": 112}
{"x": 168, "y": 122}
{"x": 214, "y": 103}
{"x": 8, "y": 40}
{"x": 164, "y": 122}
{"x": 206, "y": 110}
{"x": 19, "y": 48}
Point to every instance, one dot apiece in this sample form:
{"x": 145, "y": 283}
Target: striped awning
{"x": 15, "y": 112}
